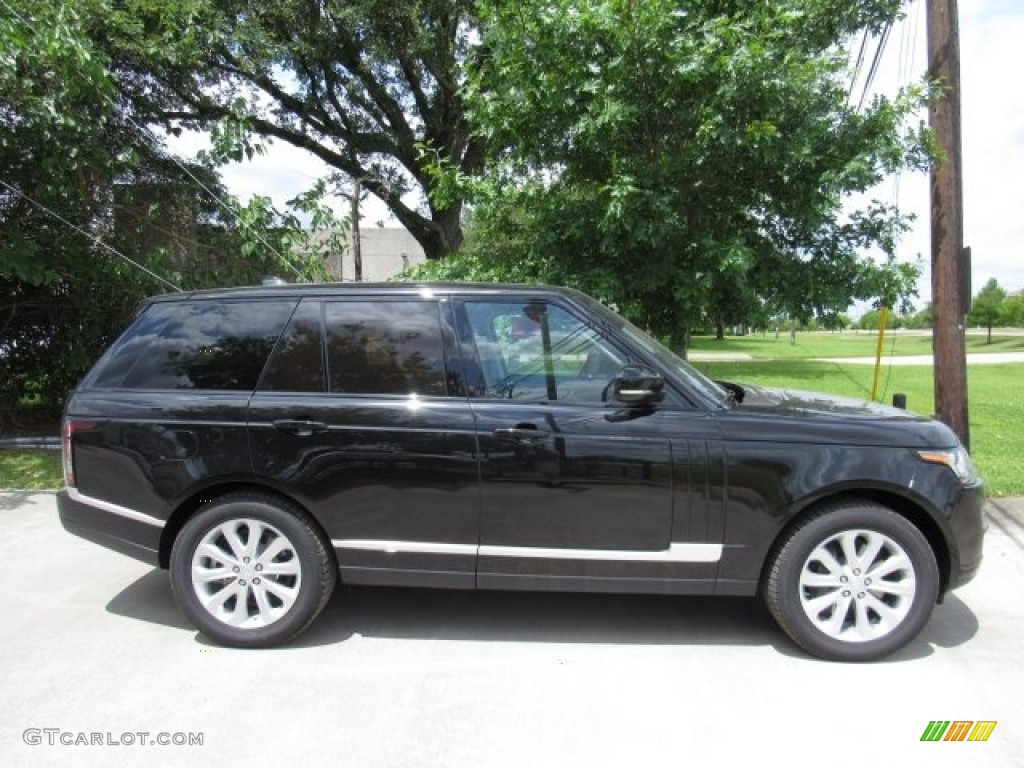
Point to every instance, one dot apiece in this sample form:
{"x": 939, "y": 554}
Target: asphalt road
{"x": 94, "y": 644}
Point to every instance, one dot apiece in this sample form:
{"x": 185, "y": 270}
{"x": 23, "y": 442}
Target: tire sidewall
{"x": 809, "y": 537}
{"x": 307, "y": 603}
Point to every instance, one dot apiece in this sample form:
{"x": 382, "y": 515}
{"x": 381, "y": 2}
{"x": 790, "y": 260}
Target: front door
{"x": 576, "y": 492}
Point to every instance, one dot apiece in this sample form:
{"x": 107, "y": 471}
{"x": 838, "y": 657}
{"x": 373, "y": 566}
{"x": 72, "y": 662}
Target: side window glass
{"x": 197, "y": 345}
{"x": 297, "y": 364}
{"x": 538, "y": 351}
{"x": 385, "y": 347}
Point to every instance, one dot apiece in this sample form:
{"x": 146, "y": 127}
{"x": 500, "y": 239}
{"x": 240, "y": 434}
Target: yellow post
{"x": 883, "y": 318}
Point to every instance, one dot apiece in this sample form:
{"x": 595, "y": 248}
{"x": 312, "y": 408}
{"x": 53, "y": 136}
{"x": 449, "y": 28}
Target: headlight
{"x": 954, "y": 458}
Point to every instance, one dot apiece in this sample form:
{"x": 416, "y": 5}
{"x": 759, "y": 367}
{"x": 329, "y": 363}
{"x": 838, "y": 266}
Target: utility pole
{"x": 357, "y": 245}
{"x": 949, "y": 305}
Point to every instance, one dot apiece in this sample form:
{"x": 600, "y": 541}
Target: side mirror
{"x": 638, "y": 385}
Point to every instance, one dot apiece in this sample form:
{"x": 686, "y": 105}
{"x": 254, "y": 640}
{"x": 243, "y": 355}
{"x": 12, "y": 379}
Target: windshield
{"x": 662, "y": 354}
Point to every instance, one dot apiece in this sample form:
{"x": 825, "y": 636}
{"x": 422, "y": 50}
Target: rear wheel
{"x": 251, "y": 570}
{"x": 854, "y": 581}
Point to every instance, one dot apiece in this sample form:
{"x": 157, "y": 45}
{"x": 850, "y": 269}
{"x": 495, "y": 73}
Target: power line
{"x": 882, "y": 40}
{"x": 145, "y": 130}
{"x": 89, "y": 235}
{"x": 858, "y": 64}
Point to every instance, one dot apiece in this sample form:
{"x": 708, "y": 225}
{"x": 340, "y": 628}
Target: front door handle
{"x": 521, "y": 432}
{"x": 301, "y": 427}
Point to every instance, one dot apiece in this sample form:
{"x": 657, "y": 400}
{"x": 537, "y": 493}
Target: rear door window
{"x": 196, "y": 345}
{"x": 385, "y": 348}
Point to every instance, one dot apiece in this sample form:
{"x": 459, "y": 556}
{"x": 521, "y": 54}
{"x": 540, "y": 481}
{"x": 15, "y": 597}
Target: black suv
{"x": 262, "y": 443}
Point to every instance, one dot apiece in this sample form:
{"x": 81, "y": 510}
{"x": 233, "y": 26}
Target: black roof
{"x": 368, "y": 289}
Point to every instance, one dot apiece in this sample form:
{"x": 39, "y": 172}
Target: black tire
{"x": 286, "y": 581}
{"x": 878, "y": 608}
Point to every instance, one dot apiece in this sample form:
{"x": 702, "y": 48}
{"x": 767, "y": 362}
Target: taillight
{"x": 70, "y": 429}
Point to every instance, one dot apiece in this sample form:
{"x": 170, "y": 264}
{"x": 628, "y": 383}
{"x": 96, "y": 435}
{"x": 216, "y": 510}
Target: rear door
{"x": 361, "y": 414}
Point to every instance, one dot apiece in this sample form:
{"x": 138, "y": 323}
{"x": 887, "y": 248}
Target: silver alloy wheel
{"x": 246, "y": 574}
{"x": 857, "y": 585}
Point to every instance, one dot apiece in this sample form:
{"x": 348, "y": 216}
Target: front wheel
{"x": 854, "y": 581}
{"x": 251, "y": 571}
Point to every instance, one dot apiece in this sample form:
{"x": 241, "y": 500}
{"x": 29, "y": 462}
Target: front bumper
{"x": 967, "y": 524}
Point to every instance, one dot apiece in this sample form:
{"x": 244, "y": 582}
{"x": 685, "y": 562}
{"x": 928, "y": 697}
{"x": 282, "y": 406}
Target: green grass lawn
{"x": 996, "y": 407}
{"x": 30, "y": 470}
{"x": 845, "y": 344}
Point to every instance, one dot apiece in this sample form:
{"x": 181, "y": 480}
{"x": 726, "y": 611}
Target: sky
{"x": 992, "y": 116}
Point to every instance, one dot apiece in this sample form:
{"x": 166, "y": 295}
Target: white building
{"x": 386, "y": 251}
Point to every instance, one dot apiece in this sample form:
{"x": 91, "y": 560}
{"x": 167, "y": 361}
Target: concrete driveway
{"x": 94, "y": 649}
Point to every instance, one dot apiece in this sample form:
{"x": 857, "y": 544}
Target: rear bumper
{"x": 110, "y": 526}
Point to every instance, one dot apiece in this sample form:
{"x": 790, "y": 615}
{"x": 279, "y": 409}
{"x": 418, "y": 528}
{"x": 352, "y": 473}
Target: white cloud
{"x": 280, "y": 174}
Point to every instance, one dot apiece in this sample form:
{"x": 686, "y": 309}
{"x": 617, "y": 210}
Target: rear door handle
{"x": 521, "y": 432}
{"x": 302, "y": 427}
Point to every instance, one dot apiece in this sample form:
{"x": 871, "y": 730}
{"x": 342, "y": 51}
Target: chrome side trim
{"x": 115, "y": 509}
{"x": 676, "y": 552}
{"x": 406, "y": 547}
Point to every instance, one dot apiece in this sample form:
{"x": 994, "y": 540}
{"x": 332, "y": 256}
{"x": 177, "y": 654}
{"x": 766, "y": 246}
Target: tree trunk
{"x": 719, "y": 330}
{"x": 439, "y": 236}
{"x": 989, "y": 335}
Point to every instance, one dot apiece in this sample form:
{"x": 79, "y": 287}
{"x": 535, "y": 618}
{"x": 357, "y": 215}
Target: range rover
{"x": 265, "y": 443}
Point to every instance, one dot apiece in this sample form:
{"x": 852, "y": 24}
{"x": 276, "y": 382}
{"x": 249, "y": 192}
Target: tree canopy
{"x": 687, "y": 161}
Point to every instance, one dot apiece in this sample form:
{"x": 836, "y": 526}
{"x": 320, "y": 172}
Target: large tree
{"x": 363, "y": 85}
{"x": 677, "y": 158}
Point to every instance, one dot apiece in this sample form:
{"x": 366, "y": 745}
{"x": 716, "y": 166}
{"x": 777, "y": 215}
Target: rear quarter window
{"x": 196, "y": 345}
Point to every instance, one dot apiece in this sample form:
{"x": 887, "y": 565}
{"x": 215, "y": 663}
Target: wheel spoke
{"x": 238, "y": 547}
{"x": 206, "y": 575}
{"x": 890, "y": 565}
{"x": 212, "y": 551}
{"x": 215, "y": 601}
{"x": 276, "y": 547}
{"x": 816, "y": 605}
{"x": 240, "y": 613}
{"x": 286, "y": 594}
{"x": 848, "y": 543}
{"x": 836, "y": 621}
{"x": 904, "y": 588}
{"x": 821, "y": 580}
{"x": 870, "y": 553}
{"x": 260, "y": 591}
{"x": 862, "y": 622}
{"x": 287, "y": 568}
{"x": 823, "y": 556}
{"x": 890, "y": 616}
